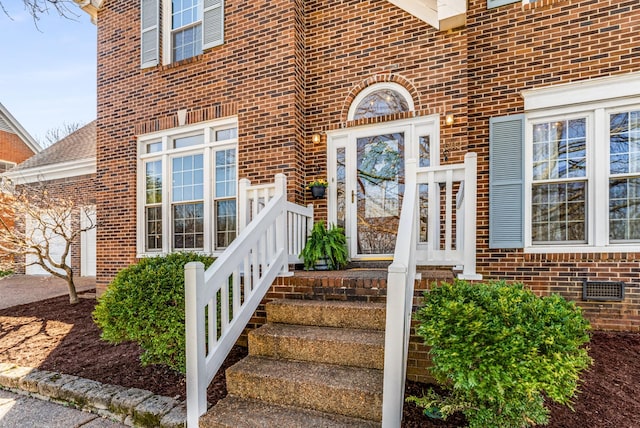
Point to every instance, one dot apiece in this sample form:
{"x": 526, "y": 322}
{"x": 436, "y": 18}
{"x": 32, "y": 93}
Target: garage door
{"x": 56, "y": 245}
{"x": 88, "y": 243}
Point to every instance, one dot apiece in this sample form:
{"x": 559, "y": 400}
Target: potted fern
{"x": 328, "y": 246}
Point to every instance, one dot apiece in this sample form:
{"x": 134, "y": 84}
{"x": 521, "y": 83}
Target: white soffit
{"x": 582, "y": 92}
{"x": 91, "y": 7}
{"x": 53, "y": 172}
{"x": 440, "y": 14}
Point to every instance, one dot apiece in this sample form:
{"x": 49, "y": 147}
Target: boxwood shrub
{"x": 145, "y": 304}
{"x": 500, "y": 351}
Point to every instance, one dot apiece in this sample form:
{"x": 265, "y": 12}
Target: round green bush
{"x": 145, "y": 304}
{"x": 500, "y": 350}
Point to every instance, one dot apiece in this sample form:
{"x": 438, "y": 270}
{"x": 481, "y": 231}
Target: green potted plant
{"x": 318, "y": 187}
{"x": 327, "y": 246}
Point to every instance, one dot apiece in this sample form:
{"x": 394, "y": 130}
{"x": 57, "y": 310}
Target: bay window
{"x": 188, "y": 182}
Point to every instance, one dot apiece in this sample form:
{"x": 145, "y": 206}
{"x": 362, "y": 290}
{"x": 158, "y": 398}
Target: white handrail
{"x": 402, "y": 272}
{"x": 400, "y": 284}
{"x": 220, "y": 302}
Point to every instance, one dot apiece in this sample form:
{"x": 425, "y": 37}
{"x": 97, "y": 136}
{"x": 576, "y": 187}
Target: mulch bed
{"x": 54, "y": 335}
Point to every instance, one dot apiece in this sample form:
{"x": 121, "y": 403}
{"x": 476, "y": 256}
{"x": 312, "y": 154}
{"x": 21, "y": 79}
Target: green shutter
{"x": 149, "y": 32}
{"x": 212, "y": 23}
{"x": 496, "y": 3}
{"x": 506, "y": 182}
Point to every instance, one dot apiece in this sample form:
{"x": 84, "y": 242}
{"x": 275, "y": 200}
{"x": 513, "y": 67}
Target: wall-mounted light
{"x": 448, "y": 118}
{"x": 316, "y": 138}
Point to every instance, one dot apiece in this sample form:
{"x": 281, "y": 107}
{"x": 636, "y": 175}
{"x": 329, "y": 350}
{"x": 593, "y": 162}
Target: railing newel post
{"x": 195, "y": 343}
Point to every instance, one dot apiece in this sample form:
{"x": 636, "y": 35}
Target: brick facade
{"x": 289, "y": 69}
{"x": 12, "y": 148}
{"x": 512, "y": 48}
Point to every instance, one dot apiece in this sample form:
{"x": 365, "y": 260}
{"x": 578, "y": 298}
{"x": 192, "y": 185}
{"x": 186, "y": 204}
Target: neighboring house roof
{"x": 9, "y": 123}
{"x": 72, "y": 156}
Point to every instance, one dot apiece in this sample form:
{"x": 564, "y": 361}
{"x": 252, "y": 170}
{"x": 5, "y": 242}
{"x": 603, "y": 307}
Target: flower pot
{"x": 318, "y": 191}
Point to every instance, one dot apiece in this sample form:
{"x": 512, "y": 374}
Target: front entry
{"x": 379, "y": 187}
{"x": 367, "y": 178}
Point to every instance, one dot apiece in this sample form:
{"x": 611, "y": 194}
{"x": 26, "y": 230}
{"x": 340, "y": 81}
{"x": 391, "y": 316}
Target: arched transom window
{"x": 381, "y": 100}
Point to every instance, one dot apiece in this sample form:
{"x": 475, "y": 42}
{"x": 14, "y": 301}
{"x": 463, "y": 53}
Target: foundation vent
{"x": 603, "y": 290}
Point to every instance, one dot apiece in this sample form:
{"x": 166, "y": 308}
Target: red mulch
{"x": 54, "y": 335}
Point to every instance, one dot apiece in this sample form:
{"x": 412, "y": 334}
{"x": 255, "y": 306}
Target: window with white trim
{"x": 6, "y": 166}
{"x": 188, "y": 28}
{"x": 188, "y": 182}
{"x": 583, "y": 175}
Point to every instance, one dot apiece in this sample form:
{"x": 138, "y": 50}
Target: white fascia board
{"x": 20, "y": 131}
{"x": 91, "y": 7}
{"x": 440, "y": 14}
{"x": 582, "y": 92}
{"x": 53, "y": 172}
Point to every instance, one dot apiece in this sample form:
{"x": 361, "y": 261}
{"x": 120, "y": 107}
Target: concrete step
{"x": 345, "y": 346}
{"x": 234, "y": 412}
{"x": 348, "y": 391}
{"x": 343, "y": 314}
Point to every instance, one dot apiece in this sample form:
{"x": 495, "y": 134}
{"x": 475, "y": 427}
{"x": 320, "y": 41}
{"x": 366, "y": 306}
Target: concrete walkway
{"x": 20, "y": 289}
{"x": 22, "y": 411}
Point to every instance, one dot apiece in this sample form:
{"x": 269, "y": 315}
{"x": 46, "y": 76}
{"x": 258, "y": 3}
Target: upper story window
{"x": 187, "y": 189}
{"x": 188, "y": 28}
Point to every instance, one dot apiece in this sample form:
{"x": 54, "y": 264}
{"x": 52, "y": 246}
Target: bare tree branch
{"x": 41, "y": 218}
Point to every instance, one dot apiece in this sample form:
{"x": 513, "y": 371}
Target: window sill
{"x": 562, "y": 249}
{"x": 181, "y": 63}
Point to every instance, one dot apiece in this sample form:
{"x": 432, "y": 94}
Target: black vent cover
{"x": 603, "y": 290}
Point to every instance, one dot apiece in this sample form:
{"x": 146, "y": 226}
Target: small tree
{"x": 53, "y": 135}
{"x": 51, "y": 218}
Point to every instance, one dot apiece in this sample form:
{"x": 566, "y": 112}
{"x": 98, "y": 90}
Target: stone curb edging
{"x": 130, "y": 406}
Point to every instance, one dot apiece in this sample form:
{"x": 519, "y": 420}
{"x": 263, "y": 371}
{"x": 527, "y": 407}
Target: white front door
{"x": 366, "y": 180}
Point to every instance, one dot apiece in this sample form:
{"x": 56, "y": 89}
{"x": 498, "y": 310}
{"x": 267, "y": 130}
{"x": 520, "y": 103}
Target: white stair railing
{"x": 220, "y": 302}
{"x": 401, "y": 276}
{"x": 451, "y": 239}
{"x": 400, "y": 284}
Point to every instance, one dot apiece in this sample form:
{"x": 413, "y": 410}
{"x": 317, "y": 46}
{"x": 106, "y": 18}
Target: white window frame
{"x": 378, "y": 87}
{"x": 6, "y": 165}
{"x": 595, "y": 100}
{"x": 203, "y": 12}
{"x": 208, "y": 150}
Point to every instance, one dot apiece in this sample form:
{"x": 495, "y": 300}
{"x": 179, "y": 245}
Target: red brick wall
{"x": 257, "y": 74}
{"x": 12, "y": 148}
{"x": 289, "y": 69}
{"x": 512, "y": 48}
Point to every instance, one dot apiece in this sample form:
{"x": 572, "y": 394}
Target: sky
{"x": 48, "y": 72}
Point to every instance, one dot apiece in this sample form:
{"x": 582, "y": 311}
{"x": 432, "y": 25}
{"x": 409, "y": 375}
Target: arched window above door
{"x": 381, "y": 99}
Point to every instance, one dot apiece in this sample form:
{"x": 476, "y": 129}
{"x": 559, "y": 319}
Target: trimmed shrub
{"x": 501, "y": 350}
{"x": 145, "y": 304}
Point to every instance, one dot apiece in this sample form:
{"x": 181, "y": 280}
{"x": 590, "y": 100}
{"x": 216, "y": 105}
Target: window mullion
{"x": 209, "y": 224}
{"x": 166, "y": 204}
{"x": 598, "y": 173}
